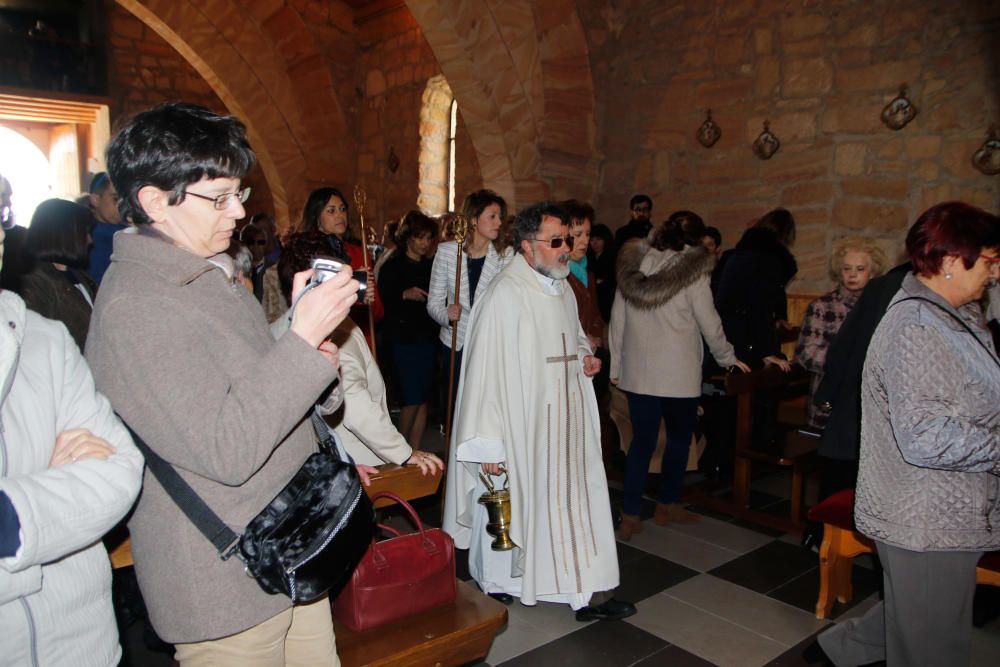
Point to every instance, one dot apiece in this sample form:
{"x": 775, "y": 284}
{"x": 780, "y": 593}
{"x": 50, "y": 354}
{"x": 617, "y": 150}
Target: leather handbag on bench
{"x": 400, "y": 576}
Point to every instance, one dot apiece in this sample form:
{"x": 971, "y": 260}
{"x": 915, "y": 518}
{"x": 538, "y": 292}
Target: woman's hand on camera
{"x": 322, "y": 308}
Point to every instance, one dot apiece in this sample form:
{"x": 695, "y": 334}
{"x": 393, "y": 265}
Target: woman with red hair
{"x": 928, "y": 491}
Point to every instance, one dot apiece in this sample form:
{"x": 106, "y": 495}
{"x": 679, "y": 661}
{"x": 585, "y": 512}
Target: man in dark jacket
{"x": 839, "y": 393}
{"x": 638, "y": 227}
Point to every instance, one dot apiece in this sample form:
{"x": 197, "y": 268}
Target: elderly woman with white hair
{"x": 855, "y": 261}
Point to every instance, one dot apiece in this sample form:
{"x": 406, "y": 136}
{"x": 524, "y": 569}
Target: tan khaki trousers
{"x": 301, "y": 636}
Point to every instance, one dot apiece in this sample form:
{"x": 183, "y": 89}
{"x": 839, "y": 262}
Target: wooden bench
{"x": 795, "y": 448}
{"x": 842, "y": 543}
{"x": 445, "y": 637}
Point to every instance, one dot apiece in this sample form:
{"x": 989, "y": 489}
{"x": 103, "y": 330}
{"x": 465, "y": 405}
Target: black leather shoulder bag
{"x": 308, "y": 539}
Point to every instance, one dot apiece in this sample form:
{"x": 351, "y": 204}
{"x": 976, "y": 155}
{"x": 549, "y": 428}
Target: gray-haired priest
{"x": 526, "y": 400}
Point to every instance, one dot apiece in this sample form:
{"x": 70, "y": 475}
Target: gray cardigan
{"x": 188, "y": 361}
{"x": 930, "y": 428}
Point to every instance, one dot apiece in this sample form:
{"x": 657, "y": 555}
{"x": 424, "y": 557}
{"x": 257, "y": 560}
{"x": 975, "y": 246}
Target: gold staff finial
{"x": 360, "y": 199}
{"x": 461, "y": 229}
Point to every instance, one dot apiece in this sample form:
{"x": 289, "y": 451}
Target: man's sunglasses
{"x": 555, "y": 241}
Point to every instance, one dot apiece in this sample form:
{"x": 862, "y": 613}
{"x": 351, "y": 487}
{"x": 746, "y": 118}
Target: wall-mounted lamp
{"x": 766, "y": 144}
{"x": 709, "y": 132}
{"x": 987, "y": 158}
{"x": 899, "y": 111}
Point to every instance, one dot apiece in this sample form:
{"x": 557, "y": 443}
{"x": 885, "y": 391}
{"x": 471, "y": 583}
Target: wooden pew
{"x": 443, "y": 637}
{"x": 794, "y": 448}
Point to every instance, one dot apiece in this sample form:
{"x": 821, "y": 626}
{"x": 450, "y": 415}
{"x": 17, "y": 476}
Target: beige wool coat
{"x": 662, "y": 311}
{"x": 187, "y": 360}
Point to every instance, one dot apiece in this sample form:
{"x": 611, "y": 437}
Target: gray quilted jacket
{"x": 930, "y": 428}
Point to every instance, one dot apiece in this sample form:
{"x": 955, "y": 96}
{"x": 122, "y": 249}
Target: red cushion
{"x": 990, "y": 561}
{"x": 837, "y": 510}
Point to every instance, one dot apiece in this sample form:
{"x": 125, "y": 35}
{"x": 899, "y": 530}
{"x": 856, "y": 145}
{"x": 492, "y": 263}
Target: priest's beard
{"x": 556, "y": 271}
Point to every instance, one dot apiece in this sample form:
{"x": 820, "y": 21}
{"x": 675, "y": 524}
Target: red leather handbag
{"x": 400, "y": 576}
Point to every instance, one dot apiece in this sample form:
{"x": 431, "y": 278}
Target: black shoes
{"x": 505, "y": 598}
{"x": 612, "y": 610}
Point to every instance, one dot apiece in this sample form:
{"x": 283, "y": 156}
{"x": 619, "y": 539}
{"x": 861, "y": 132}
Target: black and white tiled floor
{"x": 717, "y": 592}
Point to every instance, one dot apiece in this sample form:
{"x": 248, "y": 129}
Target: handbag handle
{"x": 428, "y": 545}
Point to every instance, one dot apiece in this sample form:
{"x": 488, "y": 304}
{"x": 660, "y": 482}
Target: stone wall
{"x": 820, "y": 72}
{"x": 144, "y": 70}
{"x": 394, "y": 67}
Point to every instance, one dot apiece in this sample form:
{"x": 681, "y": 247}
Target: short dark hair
{"x": 58, "y": 233}
{"x": 781, "y": 223}
{"x": 668, "y": 235}
{"x": 476, "y": 202}
{"x": 952, "y": 228}
{"x": 691, "y": 225}
{"x": 578, "y": 210}
{"x": 99, "y": 183}
{"x": 603, "y": 232}
{"x": 715, "y": 234}
{"x": 639, "y": 199}
{"x": 415, "y": 224}
{"x": 528, "y": 220}
{"x": 297, "y": 255}
{"x": 172, "y": 146}
{"x": 252, "y": 229}
{"x": 315, "y": 204}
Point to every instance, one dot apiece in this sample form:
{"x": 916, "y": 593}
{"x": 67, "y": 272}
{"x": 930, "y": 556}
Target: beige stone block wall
{"x": 821, "y": 72}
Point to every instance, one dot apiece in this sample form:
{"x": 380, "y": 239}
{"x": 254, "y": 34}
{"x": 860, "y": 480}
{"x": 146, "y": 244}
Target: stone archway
{"x": 531, "y": 119}
{"x": 262, "y": 62}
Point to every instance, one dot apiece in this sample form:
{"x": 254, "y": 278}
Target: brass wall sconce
{"x": 766, "y": 144}
{"x": 987, "y": 158}
{"x": 899, "y": 111}
{"x": 709, "y": 132}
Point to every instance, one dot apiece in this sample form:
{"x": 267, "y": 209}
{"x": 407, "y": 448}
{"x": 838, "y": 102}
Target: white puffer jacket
{"x": 55, "y": 592}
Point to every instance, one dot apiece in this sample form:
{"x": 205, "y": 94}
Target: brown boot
{"x": 673, "y": 513}
{"x": 631, "y": 525}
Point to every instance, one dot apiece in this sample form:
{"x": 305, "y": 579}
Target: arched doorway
{"x": 27, "y": 169}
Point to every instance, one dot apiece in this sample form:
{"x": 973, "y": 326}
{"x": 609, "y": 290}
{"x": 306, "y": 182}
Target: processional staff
{"x": 461, "y": 230}
{"x": 360, "y": 198}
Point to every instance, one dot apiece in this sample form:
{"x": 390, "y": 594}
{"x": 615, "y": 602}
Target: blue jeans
{"x": 681, "y": 416}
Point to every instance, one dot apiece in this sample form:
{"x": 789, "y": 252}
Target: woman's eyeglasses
{"x": 555, "y": 241}
{"x": 225, "y": 200}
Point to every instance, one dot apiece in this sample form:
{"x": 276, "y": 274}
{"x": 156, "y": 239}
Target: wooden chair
{"x": 842, "y": 543}
{"x": 448, "y": 636}
{"x": 794, "y": 449}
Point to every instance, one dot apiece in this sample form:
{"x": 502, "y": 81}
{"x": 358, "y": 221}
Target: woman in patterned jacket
{"x": 854, "y": 262}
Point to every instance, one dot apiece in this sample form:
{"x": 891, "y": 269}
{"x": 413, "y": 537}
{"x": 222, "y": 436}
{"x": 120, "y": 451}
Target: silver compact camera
{"x": 326, "y": 267}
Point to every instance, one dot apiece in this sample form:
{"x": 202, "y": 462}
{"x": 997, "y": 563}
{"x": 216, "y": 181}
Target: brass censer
{"x": 497, "y": 504}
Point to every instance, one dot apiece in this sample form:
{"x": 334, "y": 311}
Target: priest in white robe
{"x": 526, "y": 400}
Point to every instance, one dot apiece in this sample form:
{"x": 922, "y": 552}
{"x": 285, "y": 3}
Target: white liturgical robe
{"x": 523, "y": 399}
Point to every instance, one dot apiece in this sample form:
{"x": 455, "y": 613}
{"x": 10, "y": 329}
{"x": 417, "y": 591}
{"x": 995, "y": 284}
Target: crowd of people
{"x": 190, "y": 338}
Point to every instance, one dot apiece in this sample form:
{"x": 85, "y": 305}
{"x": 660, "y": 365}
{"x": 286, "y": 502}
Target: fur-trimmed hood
{"x": 650, "y": 292}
